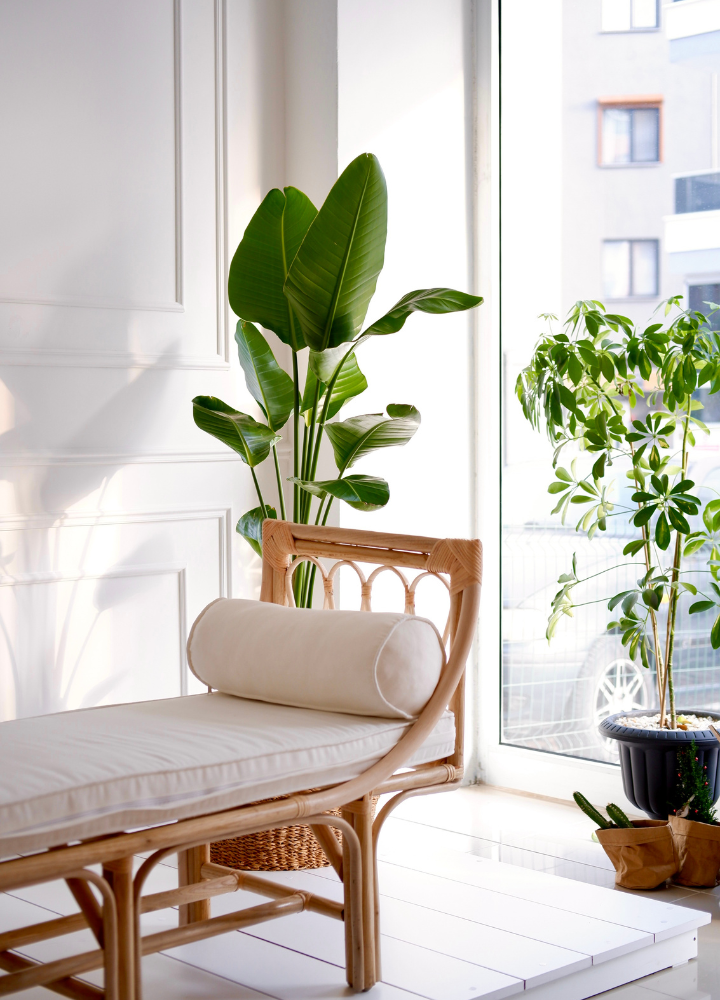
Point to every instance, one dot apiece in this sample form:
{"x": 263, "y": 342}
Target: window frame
{"x": 632, "y": 295}
{"x": 488, "y": 759}
{"x": 626, "y": 31}
{"x": 632, "y": 103}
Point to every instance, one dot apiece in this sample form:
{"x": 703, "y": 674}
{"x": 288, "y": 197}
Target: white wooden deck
{"x": 454, "y": 927}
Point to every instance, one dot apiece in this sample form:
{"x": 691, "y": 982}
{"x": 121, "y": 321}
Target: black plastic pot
{"x": 648, "y": 760}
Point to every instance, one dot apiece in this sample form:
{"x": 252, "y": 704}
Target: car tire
{"x": 610, "y": 682}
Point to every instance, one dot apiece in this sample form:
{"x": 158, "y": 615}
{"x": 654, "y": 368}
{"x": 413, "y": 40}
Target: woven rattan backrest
{"x": 455, "y": 562}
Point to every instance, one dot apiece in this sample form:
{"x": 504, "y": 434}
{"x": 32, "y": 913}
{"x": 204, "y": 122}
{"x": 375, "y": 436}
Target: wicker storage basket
{"x": 286, "y": 849}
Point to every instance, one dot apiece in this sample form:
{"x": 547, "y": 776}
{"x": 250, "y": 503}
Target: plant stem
{"x": 324, "y": 522}
{"x": 674, "y": 594}
{"x": 296, "y": 435}
{"x": 323, "y": 415}
{"x": 306, "y": 499}
{"x": 260, "y": 496}
{"x": 659, "y": 672}
{"x": 279, "y": 484}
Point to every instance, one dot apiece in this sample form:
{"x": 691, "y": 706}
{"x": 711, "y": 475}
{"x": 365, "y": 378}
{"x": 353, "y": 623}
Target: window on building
{"x": 630, "y": 268}
{"x": 698, "y": 298}
{"x": 629, "y": 134}
{"x": 629, "y": 15}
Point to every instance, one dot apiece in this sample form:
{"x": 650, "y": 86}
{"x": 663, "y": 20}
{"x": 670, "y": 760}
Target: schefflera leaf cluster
{"x": 584, "y": 383}
{"x": 309, "y": 277}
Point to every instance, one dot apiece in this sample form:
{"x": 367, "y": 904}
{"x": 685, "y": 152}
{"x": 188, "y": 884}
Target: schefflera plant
{"x": 584, "y": 382}
{"x": 309, "y": 277}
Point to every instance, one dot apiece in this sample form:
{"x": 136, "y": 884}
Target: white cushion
{"x": 102, "y": 770}
{"x": 379, "y": 664}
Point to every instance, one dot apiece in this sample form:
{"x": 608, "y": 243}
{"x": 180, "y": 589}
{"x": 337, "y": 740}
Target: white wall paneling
{"x": 95, "y": 608}
{"x": 114, "y": 242}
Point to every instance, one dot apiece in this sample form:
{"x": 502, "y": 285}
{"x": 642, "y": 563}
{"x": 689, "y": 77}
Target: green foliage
{"x": 270, "y": 386}
{"x": 618, "y": 816}
{"x": 260, "y": 265}
{"x": 251, "y": 440}
{"x": 583, "y": 383}
{"x": 691, "y": 798}
{"x": 360, "y": 492}
{"x": 309, "y": 277}
{"x": 590, "y": 810}
{"x": 250, "y": 526}
{"x": 359, "y": 436}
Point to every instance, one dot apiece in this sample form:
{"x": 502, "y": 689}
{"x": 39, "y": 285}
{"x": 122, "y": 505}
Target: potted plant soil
{"x": 694, "y": 827}
{"x": 643, "y": 852}
{"x": 611, "y": 395}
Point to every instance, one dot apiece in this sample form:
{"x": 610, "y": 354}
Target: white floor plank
{"x": 542, "y": 922}
{"x": 533, "y": 961}
{"x": 589, "y": 982}
{"x": 649, "y": 915}
{"x": 435, "y": 972}
{"x": 277, "y": 972}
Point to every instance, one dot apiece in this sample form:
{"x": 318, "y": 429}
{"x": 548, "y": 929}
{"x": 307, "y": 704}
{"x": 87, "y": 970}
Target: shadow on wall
{"x": 51, "y": 618}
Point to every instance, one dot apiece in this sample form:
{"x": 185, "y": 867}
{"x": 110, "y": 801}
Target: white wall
{"x": 139, "y": 138}
{"x": 403, "y": 73}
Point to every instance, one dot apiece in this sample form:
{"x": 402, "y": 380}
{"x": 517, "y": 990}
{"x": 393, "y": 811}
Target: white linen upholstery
{"x": 381, "y": 664}
{"x": 102, "y": 770}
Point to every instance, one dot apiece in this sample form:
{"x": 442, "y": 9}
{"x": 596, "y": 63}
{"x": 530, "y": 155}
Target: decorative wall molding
{"x": 221, "y": 216}
{"x": 40, "y": 357}
{"x": 108, "y": 458}
{"x": 103, "y": 359}
{"x": 124, "y": 573}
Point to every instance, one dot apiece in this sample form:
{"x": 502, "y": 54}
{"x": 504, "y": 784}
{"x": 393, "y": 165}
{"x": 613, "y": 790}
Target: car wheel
{"x": 610, "y": 682}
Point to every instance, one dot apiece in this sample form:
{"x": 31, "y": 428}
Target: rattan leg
{"x": 190, "y": 864}
{"x": 119, "y": 875}
{"x": 350, "y": 915}
{"x": 365, "y": 809}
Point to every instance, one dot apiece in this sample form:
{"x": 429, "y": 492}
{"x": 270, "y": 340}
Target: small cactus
{"x": 590, "y": 810}
{"x": 618, "y": 816}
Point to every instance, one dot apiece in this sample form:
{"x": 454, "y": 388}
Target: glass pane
{"x": 645, "y": 122}
{"x": 698, "y": 298}
{"x": 644, "y": 267}
{"x": 697, "y": 193}
{"x": 644, "y": 13}
{"x": 616, "y": 15}
{"x": 616, "y": 135}
{"x": 616, "y": 269}
{"x": 583, "y": 231}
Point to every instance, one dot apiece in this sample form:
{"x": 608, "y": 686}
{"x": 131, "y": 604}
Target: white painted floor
{"x": 450, "y": 902}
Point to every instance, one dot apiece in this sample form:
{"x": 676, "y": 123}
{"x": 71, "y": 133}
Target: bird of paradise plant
{"x": 309, "y": 277}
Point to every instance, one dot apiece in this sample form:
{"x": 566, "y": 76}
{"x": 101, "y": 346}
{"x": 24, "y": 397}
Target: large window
{"x": 630, "y": 238}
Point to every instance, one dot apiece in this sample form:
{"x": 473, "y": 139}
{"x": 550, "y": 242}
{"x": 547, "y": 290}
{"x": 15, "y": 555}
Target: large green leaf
{"x": 349, "y": 383}
{"x": 260, "y": 265}
{"x": 268, "y": 383}
{"x": 427, "y": 300}
{"x": 333, "y": 276}
{"x": 250, "y": 526}
{"x": 354, "y": 438}
{"x": 251, "y": 440}
{"x": 361, "y": 492}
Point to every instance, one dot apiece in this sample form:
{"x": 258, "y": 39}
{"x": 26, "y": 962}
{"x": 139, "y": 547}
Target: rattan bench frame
{"x": 116, "y": 925}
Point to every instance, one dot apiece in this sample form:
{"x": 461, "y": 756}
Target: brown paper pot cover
{"x": 644, "y": 856}
{"x": 698, "y": 848}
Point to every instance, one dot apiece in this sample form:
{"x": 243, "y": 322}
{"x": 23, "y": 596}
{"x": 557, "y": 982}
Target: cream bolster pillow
{"x": 359, "y": 662}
